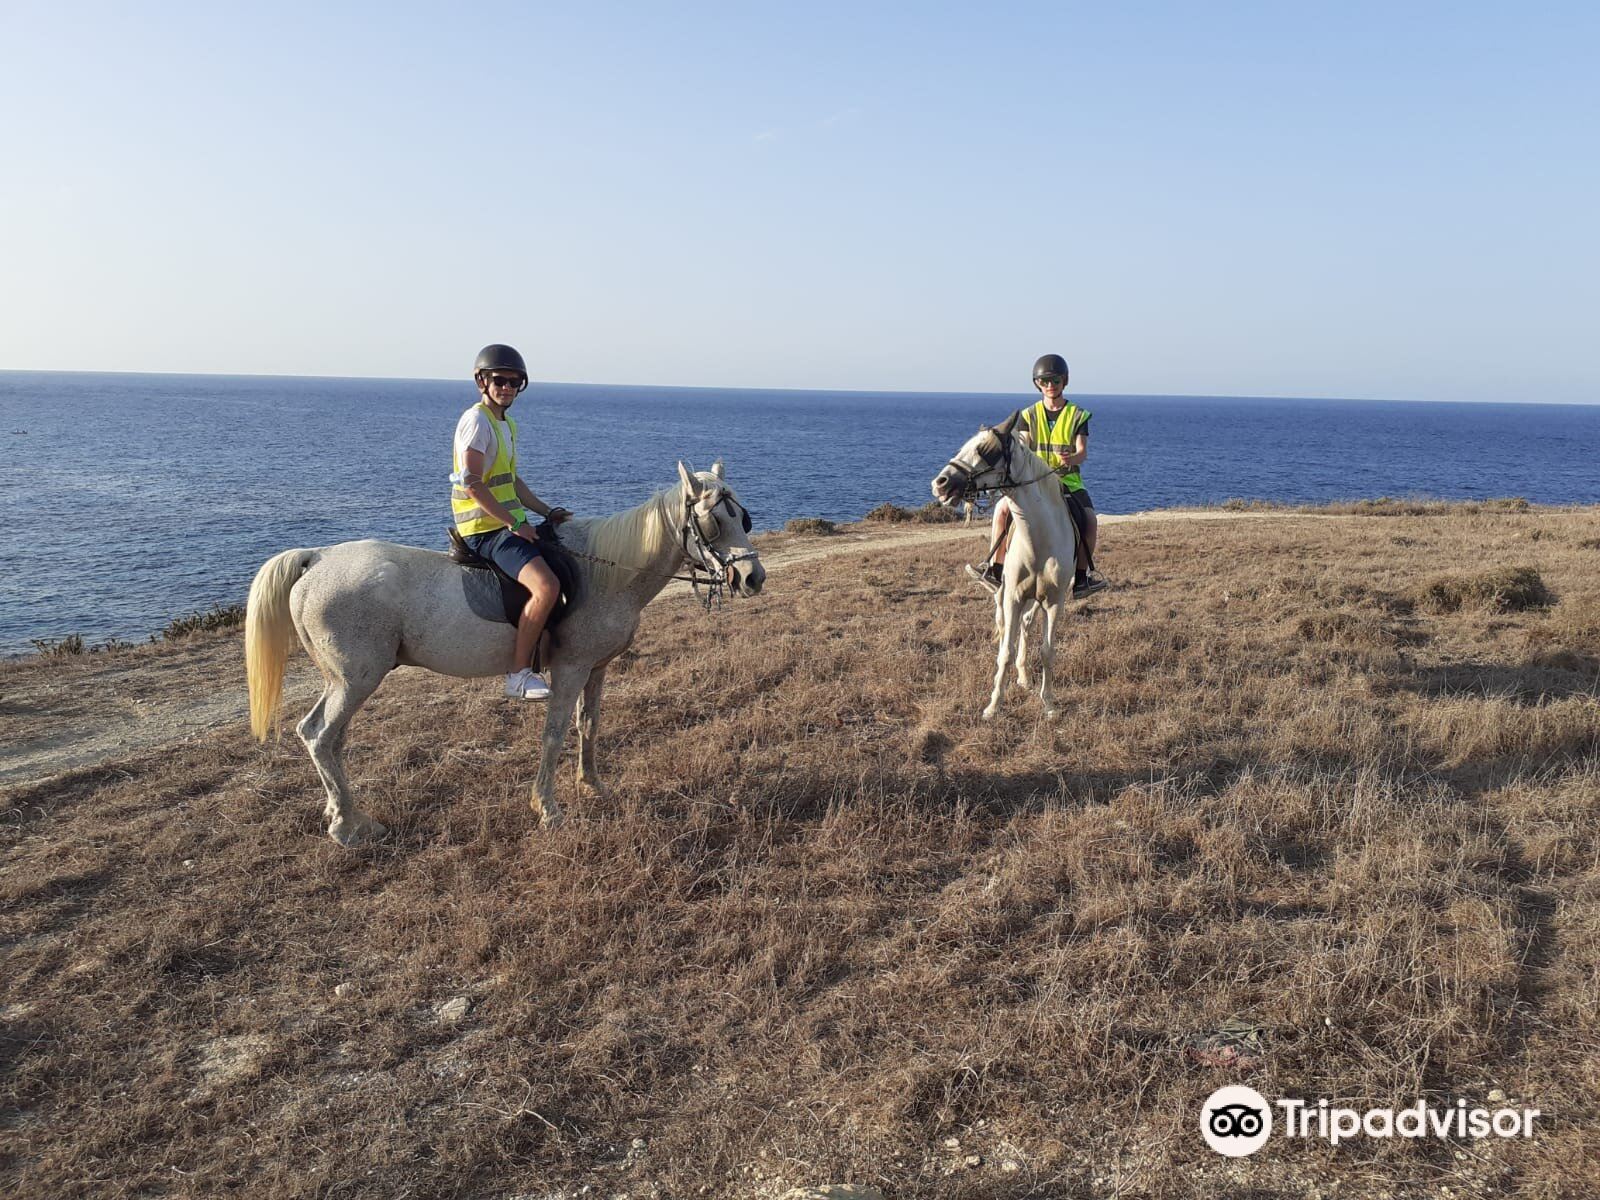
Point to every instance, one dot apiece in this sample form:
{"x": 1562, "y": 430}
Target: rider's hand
{"x": 525, "y": 532}
{"x": 557, "y": 515}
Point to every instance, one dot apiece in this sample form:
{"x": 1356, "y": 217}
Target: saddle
{"x": 513, "y": 597}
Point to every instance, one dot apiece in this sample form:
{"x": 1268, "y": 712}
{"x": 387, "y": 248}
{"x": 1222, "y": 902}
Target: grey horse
{"x": 363, "y": 608}
{"x": 1038, "y": 568}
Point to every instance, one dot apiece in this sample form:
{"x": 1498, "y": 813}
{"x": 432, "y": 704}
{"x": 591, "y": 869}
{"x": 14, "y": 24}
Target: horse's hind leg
{"x": 589, "y": 730}
{"x": 322, "y": 730}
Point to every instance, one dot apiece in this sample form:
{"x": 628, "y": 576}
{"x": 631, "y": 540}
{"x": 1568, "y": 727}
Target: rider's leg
{"x": 999, "y": 534}
{"x": 1091, "y": 531}
{"x": 543, "y": 592}
{"x": 1000, "y": 530}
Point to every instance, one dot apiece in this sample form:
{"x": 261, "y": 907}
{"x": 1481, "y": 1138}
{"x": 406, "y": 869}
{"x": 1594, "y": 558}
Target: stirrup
{"x": 989, "y": 576}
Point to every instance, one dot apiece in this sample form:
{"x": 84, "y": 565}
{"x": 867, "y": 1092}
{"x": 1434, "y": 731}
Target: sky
{"x": 1326, "y": 199}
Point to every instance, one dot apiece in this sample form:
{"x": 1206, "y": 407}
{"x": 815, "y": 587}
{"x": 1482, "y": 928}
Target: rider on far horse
{"x": 1060, "y": 433}
{"x": 491, "y": 503}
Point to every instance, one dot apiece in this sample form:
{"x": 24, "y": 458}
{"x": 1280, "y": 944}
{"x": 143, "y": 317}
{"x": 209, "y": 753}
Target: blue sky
{"x": 1351, "y": 199}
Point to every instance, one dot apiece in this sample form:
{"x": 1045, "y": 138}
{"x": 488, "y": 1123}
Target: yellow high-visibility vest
{"x": 1054, "y": 437}
{"x": 501, "y": 478}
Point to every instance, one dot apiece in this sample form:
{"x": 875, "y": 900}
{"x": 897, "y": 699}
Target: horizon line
{"x": 692, "y": 387}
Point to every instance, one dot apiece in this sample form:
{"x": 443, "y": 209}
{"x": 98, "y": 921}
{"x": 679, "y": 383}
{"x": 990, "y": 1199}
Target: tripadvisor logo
{"x": 1237, "y": 1121}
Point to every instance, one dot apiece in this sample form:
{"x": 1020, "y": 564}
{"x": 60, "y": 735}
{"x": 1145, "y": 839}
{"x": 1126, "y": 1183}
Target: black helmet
{"x": 1050, "y": 364}
{"x": 500, "y": 358}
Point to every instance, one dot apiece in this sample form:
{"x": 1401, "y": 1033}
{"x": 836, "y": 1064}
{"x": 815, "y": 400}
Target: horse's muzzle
{"x": 746, "y": 578}
{"x": 949, "y": 486}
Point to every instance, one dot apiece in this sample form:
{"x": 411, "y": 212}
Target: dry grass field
{"x": 1329, "y": 781}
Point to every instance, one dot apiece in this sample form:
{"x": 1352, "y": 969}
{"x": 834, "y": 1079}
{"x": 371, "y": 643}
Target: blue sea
{"x": 131, "y": 499}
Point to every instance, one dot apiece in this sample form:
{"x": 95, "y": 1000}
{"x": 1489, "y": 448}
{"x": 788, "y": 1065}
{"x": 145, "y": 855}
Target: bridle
{"x": 709, "y": 567}
{"x": 971, "y": 490}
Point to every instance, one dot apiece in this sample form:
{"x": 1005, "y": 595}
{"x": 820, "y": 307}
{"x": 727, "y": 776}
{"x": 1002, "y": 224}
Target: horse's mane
{"x": 1032, "y": 462}
{"x": 632, "y": 537}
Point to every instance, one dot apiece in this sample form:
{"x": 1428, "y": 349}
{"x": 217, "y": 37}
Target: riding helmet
{"x": 500, "y": 358}
{"x": 1050, "y": 364}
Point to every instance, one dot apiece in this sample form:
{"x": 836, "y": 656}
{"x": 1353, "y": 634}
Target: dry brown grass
{"x": 829, "y": 919}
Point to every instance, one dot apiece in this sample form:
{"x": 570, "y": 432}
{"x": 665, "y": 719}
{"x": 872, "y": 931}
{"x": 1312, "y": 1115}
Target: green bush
{"x": 70, "y": 645}
{"x": 218, "y": 616}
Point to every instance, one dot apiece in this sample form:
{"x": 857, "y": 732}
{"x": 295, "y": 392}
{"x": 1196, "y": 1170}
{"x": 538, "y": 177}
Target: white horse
{"x": 363, "y": 608}
{"x": 1040, "y": 558}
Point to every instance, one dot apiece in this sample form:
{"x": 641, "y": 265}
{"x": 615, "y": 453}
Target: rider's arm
{"x": 1080, "y": 451}
{"x": 536, "y": 505}
{"x": 531, "y": 502}
{"x": 473, "y": 466}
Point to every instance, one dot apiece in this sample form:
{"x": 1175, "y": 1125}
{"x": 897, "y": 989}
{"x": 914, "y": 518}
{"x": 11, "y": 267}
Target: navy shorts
{"x": 1078, "y": 501}
{"x": 504, "y": 549}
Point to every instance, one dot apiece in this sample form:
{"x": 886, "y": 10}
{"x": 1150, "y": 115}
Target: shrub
{"x": 219, "y": 616}
{"x": 934, "y": 513}
{"x": 1509, "y": 589}
{"x": 60, "y": 648}
{"x": 811, "y": 525}
{"x": 931, "y": 513}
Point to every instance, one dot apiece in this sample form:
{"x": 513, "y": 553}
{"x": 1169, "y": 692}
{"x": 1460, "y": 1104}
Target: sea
{"x": 129, "y": 500}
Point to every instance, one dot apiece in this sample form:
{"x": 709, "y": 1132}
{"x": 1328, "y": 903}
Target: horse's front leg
{"x": 1008, "y": 612}
{"x": 565, "y": 687}
{"x": 589, "y": 731}
{"x": 1023, "y": 622}
{"x": 1047, "y": 656}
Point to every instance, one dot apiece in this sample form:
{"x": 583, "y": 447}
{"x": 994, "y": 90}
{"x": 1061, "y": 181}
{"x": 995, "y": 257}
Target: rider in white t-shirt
{"x": 491, "y": 503}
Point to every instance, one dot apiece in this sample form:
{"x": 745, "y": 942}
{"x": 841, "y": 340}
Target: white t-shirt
{"x": 475, "y": 431}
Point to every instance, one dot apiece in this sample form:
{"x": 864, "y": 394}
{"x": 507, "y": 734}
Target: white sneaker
{"x": 527, "y": 685}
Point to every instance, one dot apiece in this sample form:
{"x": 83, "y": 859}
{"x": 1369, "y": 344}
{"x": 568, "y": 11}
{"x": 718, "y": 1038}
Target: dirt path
{"x": 59, "y": 715}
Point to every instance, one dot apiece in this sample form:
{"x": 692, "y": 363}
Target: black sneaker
{"x": 988, "y": 575}
{"x": 1088, "y": 586}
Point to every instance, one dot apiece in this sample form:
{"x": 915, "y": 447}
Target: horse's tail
{"x": 268, "y": 635}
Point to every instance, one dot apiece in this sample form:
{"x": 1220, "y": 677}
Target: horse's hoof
{"x": 356, "y": 830}
{"x": 595, "y": 788}
{"x": 548, "y": 815}
{"x": 988, "y": 713}
{"x": 1050, "y": 714}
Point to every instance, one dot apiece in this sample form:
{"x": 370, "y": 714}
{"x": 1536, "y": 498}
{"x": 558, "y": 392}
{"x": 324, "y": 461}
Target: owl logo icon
{"x": 1236, "y": 1121}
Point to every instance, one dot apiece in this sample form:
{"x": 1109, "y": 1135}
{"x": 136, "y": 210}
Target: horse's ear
{"x": 1010, "y": 424}
{"x": 691, "y": 485}
{"x": 716, "y": 468}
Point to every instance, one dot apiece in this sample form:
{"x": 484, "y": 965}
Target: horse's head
{"x": 716, "y": 531}
{"x": 983, "y": 463}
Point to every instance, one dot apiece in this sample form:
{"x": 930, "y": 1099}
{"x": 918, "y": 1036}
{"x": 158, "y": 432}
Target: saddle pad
{"x": 495, "y": 596}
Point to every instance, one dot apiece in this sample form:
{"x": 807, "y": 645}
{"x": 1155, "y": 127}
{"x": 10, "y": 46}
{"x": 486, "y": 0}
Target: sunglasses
{"x": 513, "y": 381}
{"x": 1050, "y": 380}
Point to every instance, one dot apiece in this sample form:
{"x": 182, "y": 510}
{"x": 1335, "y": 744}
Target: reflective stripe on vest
{"x": 502, "y": 481}
{"x": 1055, "y": 438}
